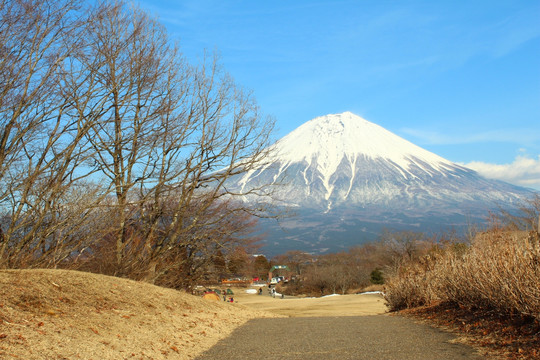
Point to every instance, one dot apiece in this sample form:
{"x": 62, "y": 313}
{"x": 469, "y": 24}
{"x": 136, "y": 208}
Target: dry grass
{"x": 499, "y": 273}
{"x": 497, "y": 277}
{"x": 61, "y": 314}
{"x": 342, "y": 305}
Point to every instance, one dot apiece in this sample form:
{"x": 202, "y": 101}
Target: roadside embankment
{"x": 62, "y": 314}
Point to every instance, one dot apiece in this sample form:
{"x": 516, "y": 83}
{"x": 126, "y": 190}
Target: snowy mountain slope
{"x": 345, "y": 160}
{"x": 342, "y": 166}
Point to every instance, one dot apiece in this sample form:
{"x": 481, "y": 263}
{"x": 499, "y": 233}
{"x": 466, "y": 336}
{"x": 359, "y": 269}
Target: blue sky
{"x": 458, "y": 78}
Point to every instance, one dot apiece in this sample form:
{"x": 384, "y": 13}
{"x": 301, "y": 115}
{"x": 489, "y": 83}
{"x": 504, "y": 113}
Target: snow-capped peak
{"x": 331, "y": 138}
{"x": 348, "y": 178}
{"x": 345, "y": 160}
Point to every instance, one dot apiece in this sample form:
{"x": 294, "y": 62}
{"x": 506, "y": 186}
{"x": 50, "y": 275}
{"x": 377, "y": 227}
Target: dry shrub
{"x": 499, "y": 273}
{"x": 411, "y": 285}
{"x": 405, "y": 291}
{"x": 372, "y": 287}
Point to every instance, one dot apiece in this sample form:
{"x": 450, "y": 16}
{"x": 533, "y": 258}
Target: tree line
{"x": 114, "y": 149}
{"x": 359, "y": 268}
{"x": 414, "y": 268}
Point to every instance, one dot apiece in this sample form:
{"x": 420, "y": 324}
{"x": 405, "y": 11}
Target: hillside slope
{"x": 61, "y": 314}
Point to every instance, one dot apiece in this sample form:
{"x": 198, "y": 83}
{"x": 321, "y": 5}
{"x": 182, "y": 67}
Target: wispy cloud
{"x": 400, "y": 66}
{"x": 516, "y": 30}
{"x": 523, "y": 171}
{"x": 519, "y": 136}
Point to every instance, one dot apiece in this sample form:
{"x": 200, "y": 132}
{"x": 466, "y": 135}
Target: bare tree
{"x": 100, "y": 94}
{"x": 189, "y": 257}
{"x": 401, "y": 247}
{"x": 526, "y": 217}
{"x": 295, "y": 259}
{"x": 125, "y": 62}
{"x": 166, "y": 129}
{"x": 41, "y": 144}
{"x": 318, "y": 279}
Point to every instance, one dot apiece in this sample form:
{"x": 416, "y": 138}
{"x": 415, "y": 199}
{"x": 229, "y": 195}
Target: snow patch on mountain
{"x": 325, "y": 143}
{"x": 345, "y": 160}
{"x": 331, "y": 138}
{"x": 348, "y": 178}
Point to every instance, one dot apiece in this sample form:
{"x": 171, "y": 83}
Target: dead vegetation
{"x": 61, "y": 314}
{"x": 489, "y": 291}
{"x": 499, "y": 272}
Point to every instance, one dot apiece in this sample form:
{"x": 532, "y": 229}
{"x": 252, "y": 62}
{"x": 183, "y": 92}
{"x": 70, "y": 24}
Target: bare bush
{"x": 525, "y": 218}
{"x": 500, "y": 273}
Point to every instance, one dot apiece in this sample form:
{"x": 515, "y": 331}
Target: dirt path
{"x": 352, "y": 337}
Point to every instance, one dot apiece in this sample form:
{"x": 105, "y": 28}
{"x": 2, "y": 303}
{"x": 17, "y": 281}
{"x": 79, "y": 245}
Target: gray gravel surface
{"x": 359, "y": 337}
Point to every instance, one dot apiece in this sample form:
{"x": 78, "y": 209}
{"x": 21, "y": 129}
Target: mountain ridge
{"x": 343, "y": 164}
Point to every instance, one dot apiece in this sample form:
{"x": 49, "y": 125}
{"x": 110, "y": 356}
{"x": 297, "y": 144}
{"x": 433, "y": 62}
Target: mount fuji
{"x": 347, "y": 178}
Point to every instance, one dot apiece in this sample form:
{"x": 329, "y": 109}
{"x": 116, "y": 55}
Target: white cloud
{"x": 524, "y": 171}
{"x": 514, "y": 135}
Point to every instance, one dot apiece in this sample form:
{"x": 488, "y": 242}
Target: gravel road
{"x": 359, "y": 337}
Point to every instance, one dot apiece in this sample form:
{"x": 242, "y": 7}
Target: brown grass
{"x": 500, "y": 273}
{"x": 495, "y": 281}
{"x": 342, "y": 305}
{"x": 61, "y": 314}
